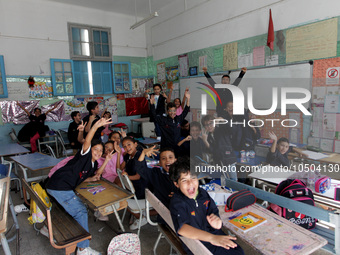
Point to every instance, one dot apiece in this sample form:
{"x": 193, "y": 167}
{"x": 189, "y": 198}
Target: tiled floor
{"x": 102, "y": 233}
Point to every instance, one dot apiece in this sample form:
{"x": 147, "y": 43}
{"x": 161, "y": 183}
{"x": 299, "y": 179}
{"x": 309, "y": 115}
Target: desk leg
{"x": 132, "y": 125}
{"x": 56, "y": 146}
{"x": 16, "y": 223}
{"x": 39, "y": 145}
{"x": 118, "y": 218}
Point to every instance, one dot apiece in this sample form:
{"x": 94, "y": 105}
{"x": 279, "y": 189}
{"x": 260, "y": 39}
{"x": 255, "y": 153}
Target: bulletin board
{"x": 325, "y": 126}
{"x": 262, "y": 80}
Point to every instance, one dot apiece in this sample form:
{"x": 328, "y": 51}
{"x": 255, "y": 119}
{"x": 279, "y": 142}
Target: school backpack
{"x": 298, "y": 191}
{"x": 36, "y": 214}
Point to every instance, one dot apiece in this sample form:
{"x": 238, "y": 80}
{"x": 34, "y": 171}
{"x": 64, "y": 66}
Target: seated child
{"x": 198, "y": 146}
{"x": 106, "y": 115}
{"x": 81, "y": 168}
{"x": 36, "y": 128}
{"x": 158, "y": 178}
{"x": 131, "y": 164}
{"x": 278, "y": 153}
{"x": 195, "y": 214}
{"x": 170, "y": 125}
{"x": 220, "y": 145}
{"x": 110, "y": 171}
{"x": 251, "y": 135}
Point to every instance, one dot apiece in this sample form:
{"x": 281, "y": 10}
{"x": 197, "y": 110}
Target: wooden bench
{"x": 168, "y": 231}
{"x": 64, "y": 231}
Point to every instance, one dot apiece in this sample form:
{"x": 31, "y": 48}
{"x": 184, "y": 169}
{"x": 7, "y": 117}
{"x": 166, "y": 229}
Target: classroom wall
{"x": 212, "y": 22}
{"x": 33, "y": 31}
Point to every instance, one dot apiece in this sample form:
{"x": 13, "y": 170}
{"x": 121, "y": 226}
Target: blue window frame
{"x": 3, "y": 84}
{"x": 93, "y": 77}
{"x": 62, "y": 77}
{"x": 122, "y": 77}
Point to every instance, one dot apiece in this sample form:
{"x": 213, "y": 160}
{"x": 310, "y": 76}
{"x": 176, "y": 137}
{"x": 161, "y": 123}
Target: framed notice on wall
{"x": 161, "y": 72}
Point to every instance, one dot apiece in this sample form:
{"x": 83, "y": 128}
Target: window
{"x": 62, "y": 77}
{"x": 122, "y": 77}
{"x": 3, "y": 85}
{"x": 93, "y": 77}
{"x": 89, "y": 43}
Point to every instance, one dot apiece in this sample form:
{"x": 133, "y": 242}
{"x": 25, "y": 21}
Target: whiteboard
{"x": 262, "y": 80}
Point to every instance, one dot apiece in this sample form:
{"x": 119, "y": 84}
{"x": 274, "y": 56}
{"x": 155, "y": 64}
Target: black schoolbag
{"x": 298, "y": 191}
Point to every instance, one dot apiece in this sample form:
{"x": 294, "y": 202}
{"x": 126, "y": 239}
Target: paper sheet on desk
{"x": 315, "y": 155}
{"x": 220, "y": 197}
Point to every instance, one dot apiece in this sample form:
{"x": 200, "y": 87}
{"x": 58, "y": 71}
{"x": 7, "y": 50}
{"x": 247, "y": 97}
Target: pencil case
{"x": 239, "y": 200}
{"x": 322, "y": 184}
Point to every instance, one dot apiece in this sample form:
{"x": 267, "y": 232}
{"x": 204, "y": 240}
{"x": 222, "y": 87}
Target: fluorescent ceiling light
{"x": 144, "y": 20}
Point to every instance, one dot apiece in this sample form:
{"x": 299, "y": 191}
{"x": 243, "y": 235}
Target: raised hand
{"x": 150, "y": 151}
{"x": 204, "y": 135}
{"x": 117, "y": 148}
{"x": 188, "y": 138}
{"x": 244, "y": 69}
{"x": 272, "y": 136}
{"x": 204, "y": 69}
{"x": 81, "y": 126}
{"x": 187, "y": 93}
{"x": 110, "y": 155}
{"x": 102, "y": 122}
{"x": 152, "y": 99}
{"x": 122, "y": 133}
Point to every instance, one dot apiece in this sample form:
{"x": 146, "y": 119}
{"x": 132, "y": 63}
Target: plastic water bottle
{"x": 311, "y": 178}
{"x": 223, "y": 180}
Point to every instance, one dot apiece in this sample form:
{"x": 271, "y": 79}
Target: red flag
{"x": 270, "y": 39}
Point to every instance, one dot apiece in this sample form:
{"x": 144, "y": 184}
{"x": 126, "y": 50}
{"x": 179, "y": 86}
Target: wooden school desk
{"x": 276, "y": 236}
{"x": 140, "y": 120}
{"x": 12, "y": 149}
{"x": 108, "y": 201}
{"x": 273, "y": 178}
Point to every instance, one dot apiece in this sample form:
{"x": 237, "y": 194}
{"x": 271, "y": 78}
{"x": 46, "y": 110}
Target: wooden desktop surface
{"x": 111, "y": 195}
{"x": 10, "y": 149}
{"x": 276, "y": 236}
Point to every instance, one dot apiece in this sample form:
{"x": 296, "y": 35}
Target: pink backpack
{"x": 298, "y": 191}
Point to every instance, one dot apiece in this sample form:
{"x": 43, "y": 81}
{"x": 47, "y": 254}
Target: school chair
{"x": 121, "y": 125}
{"x": 50, "y": 150}
{"x": 7, "y": 171}
{"x": 65, "y": 152}
{"x": 14, "y": 137}
{"x": 135, "y": 206}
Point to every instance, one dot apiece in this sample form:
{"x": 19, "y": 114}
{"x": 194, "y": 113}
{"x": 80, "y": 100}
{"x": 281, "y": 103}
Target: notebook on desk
{"x": 315, "y": 155}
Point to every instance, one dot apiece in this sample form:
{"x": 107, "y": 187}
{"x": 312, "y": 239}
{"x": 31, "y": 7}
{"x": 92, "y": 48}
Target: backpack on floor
{"x": 298, "y": 191}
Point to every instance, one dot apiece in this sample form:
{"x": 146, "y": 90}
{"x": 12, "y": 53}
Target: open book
{"x": 248, "y": 221}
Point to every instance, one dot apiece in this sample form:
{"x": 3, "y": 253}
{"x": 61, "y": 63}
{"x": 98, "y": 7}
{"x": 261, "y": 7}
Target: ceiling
{"x": 120, "y": 6}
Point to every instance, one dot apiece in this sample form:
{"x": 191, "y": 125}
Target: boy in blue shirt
{"x": 195, "y": 214}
